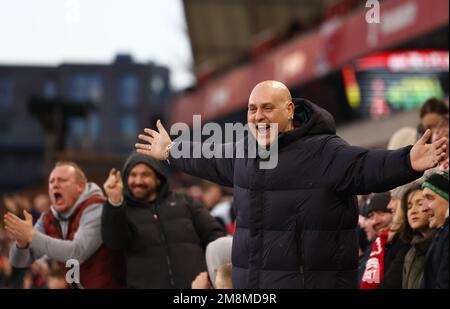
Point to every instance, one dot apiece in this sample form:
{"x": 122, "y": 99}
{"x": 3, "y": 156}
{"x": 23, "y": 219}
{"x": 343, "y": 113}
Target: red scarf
{"x": 373, "y": 274}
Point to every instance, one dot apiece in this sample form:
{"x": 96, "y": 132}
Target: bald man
{"x": 296, "y": 223}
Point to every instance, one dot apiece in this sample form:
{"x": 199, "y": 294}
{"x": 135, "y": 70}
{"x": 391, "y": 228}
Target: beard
{"x": 142, "y": 193}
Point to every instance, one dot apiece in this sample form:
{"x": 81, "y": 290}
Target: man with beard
{"x": 163, "y": 234}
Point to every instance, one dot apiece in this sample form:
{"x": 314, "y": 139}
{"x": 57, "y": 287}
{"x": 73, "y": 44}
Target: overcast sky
{"x": 50, "y": 32}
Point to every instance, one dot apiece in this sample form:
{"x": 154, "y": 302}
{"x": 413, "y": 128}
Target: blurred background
{"x": 80, "y": 78}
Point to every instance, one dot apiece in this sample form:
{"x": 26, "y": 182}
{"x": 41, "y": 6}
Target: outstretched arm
{"x": 20, "y": 254}
{"x": 360, "y": 171}
{"x": 159, "y": 146}
{"x": 35, "y": 243}
{"x": 218, "y": 170}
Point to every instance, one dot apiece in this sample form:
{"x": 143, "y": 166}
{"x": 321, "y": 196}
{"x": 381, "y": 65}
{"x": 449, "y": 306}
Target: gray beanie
{"x": 218, "y": 252}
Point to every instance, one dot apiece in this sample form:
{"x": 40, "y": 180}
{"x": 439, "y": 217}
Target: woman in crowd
{"x": 416, "y": 231}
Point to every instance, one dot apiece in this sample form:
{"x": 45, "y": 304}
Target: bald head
{"x": 274, "y": 88}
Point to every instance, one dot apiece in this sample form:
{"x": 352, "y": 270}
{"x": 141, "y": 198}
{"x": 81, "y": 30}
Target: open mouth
{"x": 58, "y": 197}
{"x": 263, "y": 128}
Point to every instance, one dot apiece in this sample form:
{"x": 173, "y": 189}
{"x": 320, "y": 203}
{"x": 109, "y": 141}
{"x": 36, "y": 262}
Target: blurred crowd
{"x": 402, "y": 234}
{"x": 43, "y": 273}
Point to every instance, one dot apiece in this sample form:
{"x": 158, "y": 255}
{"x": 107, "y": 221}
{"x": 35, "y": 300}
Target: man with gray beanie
{"x": 218, "y": 254}
{"x": 435, "y": 205}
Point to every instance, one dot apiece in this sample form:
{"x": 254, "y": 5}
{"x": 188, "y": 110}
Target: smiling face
{"x": 64, "y": 187}
{"x": 435, "y": 206}
{"x": 380, "y": 220}
{"x": 143, "y": 182}
{"x": 270, "y": 103}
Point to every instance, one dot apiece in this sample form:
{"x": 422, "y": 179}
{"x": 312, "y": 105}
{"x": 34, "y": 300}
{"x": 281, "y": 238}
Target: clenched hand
{"x": 114, "y": 187}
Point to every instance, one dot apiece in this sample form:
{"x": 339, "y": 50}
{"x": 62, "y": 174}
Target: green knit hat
{"x": 438, "y": 183}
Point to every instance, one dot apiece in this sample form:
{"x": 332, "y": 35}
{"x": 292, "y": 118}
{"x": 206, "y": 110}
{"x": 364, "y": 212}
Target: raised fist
{"x": 114, "y": 187}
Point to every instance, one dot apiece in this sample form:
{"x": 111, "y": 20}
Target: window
{"x": 84, "y": 131}
{"x": 128, "y": 127}
{"x": 93, "y": 124}
{"x": 128, "y": 90}
{"x": 86, "y": 87}
{"x": 77, "y": 127}
{"x": 157, "y": 85}
{"x": 49, "y": 89}
{"x": 6, "y": 92}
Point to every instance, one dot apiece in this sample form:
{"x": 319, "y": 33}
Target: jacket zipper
{"x": 302, "y": 271}
{"x": 164, "y": 239}
{"x": 300, "y": 257}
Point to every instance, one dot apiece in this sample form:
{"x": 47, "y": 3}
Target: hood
{"x": 309, "y": 119}
{"x": 90, "y": 190}
{"x": 137, "y": 158}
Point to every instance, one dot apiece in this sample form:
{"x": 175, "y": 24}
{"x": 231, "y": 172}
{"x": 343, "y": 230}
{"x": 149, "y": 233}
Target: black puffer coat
{"x": 436, "y": 265}
{"x": 296, "y": 223}
{"x": 163, "y": 241}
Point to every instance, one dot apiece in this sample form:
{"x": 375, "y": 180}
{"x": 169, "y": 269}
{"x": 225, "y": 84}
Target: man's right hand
{"x": 114, "y": 187}
{"x": 157, "y": 143}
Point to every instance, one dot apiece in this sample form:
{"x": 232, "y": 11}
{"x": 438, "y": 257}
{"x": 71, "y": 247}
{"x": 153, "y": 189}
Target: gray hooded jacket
{"x": 86, "y": 240}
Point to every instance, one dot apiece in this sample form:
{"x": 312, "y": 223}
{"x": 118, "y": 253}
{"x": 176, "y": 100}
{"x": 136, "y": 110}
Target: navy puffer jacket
{"x": 296, "y": 223}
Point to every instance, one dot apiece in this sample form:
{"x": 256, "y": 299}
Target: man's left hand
{"x": 21, "y": 230}
{"x": 425, "y": 156}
